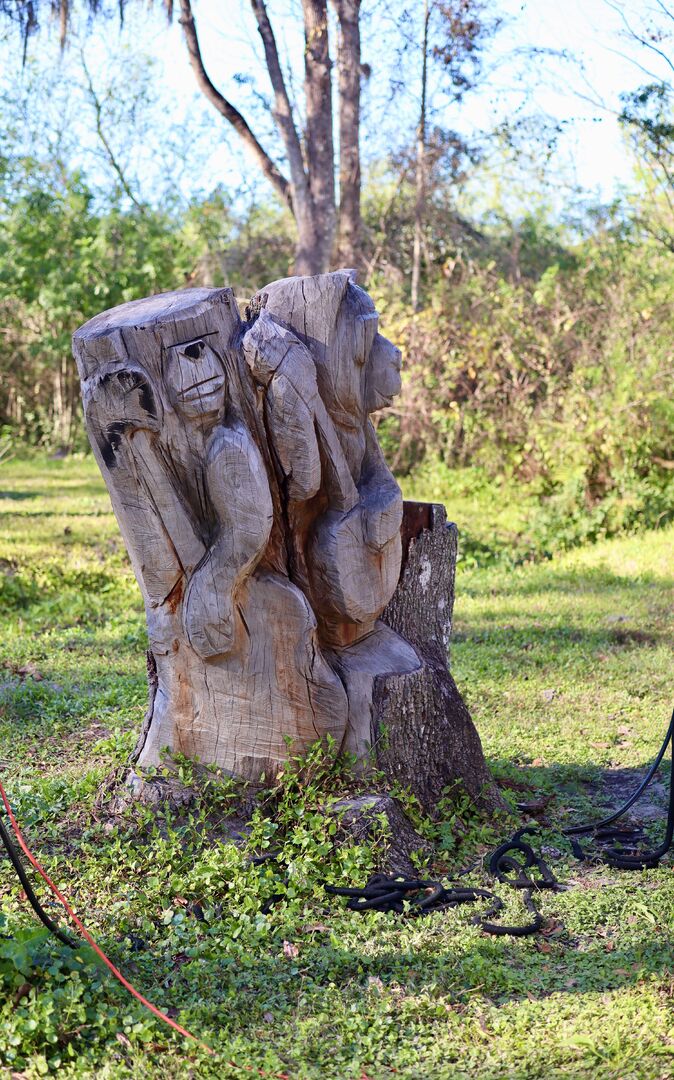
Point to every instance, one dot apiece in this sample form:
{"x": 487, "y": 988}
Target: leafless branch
{"x": 225, "y": 107}
{"x": 282, "y": 111}
{"x": 637, "y": 37}
{"x": 103, "y": 139}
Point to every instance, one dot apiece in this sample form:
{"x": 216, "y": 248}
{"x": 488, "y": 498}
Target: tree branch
{"x": 225, "y": 107}
{"x": 109, "y": 152}
{"x": 282, "y": 111}
{"x": 638, "y": 37}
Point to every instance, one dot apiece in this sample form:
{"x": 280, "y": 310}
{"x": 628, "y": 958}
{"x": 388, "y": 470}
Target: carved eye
{"x": 193, "y": 350}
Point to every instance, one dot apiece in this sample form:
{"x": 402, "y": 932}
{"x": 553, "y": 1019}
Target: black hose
{"x": 577, "y": 830}
{"x": 645, "y": 859}
{"x": 28, "y": 888}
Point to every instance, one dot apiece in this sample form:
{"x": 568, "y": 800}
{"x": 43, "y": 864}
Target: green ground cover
{"x": 566, "y": 665}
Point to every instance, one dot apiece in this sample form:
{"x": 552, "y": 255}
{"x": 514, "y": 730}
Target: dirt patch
{"x": 614, "y": 787}
{"x": 633, "y": 637}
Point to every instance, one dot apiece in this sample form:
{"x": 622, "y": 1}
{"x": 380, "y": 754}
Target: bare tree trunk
{"x": 420, "y": 200}
{"x": 310, "y": 192}
{"x": 319, "y": 140}
{"x": 348, "y": 65}
{"x": 306, "y": 257}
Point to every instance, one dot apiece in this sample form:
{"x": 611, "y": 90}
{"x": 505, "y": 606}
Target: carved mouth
{"x": 203, "y": 389}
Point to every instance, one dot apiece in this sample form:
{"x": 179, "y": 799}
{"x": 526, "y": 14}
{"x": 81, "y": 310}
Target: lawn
{"x": 566, "y": 665}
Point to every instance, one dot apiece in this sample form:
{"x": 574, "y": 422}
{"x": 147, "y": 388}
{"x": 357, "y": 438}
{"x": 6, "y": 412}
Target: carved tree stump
{"x": 264, "y": 528}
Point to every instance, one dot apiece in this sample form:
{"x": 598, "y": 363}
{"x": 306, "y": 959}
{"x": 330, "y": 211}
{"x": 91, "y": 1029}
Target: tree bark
{"x": 361, "y": 818}
{"x": 422, "y": 733}
{"x": 318, "y": 138}
{"x": 420, "y": 182}
{"x": 349, "y": 251}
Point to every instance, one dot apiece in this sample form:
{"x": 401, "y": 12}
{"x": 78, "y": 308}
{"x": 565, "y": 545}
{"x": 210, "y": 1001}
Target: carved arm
{"x": 239, "y": 492}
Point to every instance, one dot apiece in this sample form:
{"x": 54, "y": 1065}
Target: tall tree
{"x": 349, "y": 74}
{"x": 306, "y": 183}
{"x": 420, "y": 182}
{"x": 459, "y": 29}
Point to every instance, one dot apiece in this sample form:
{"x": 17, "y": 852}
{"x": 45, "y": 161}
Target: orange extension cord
{"x": 85, "y": 933}
{"x": 106, "y": 960}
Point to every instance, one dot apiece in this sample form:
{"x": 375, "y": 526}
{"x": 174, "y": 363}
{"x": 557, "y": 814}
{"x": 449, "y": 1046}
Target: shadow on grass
{"x": 499, "y": 969}
{"x": 507, "y": 969}
{"x": 527, "y": 636}
{"x": 546, "y": 578}
{"x": 55, "y": 513}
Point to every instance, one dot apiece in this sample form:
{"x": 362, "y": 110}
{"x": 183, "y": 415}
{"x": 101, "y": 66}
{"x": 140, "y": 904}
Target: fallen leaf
{"x": 316, "y": 928}
{"x": 30, "y": 669}
{"x": 23, "y": 991}
{"x": 121, "y": 1038}
{"x": 290, "y": 950}
{"x": 537, "y": 761}
{"x": 548, "y": 695}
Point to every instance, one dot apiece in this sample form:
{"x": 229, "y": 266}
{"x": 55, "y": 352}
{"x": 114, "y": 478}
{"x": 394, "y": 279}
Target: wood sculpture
{"x": 262, "y": 522}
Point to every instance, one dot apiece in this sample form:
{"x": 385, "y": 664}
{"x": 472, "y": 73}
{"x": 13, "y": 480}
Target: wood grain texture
{"x": 261, "y": 520}
{"x": 345, "y": 544}
{"x": 265, "y": 531}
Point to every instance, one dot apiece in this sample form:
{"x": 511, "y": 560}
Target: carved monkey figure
{"x": 316, "y": 349}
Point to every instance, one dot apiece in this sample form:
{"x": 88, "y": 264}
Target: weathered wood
{"x": 264, "y": 527}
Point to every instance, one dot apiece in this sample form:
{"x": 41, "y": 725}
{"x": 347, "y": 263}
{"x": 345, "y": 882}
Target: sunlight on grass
{"x": 566, "y": 665}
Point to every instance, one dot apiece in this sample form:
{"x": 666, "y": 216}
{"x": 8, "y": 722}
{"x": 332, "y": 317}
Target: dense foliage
{"x": 548, "y": 363}
{"x": 64, "y": 258}
{"x": 540, "y": 357}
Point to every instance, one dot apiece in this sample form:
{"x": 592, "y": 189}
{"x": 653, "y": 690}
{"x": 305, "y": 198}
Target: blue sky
{"x": 581, "y": 92}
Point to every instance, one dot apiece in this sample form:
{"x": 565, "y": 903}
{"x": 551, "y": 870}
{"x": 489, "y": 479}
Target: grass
{"x": 566, "y": 666}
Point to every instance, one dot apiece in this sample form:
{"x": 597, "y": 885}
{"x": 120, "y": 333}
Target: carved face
{"x": 195, "y": 379}
{"x": 363, "y": 368}
{"x": 382, "y": 374}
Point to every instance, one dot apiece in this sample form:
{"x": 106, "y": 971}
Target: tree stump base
{"x": 360, "y": 817}
{"x": 421, "y": 733}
